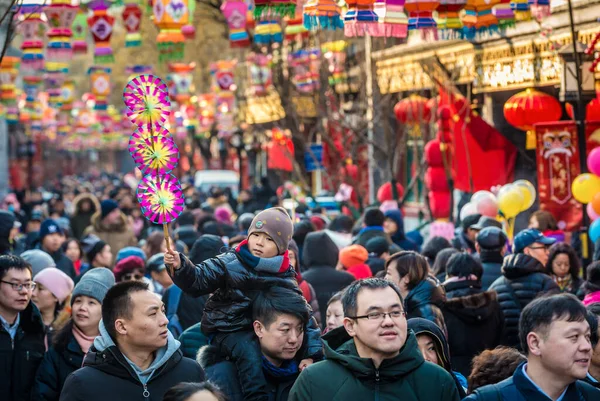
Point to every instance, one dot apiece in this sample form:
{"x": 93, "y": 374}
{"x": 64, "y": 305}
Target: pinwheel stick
{"x": 167, "y": 240}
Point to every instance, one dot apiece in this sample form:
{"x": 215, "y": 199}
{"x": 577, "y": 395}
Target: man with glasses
{"x": 21, "y": 330}
{"x": 523, "y": 278}
{"x": 373, "y": 356}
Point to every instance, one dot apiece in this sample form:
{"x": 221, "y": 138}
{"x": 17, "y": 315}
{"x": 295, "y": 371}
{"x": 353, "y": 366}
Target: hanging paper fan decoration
{"x": 448, "y": 18}
{"x": 478, "y": 17}
{"x": 156, "y": 152}
{"x": 322, "y": 14}
{"x": 101, "y": 27}
{"x": 161, "y": 198}
{"x": 148, "y": 101}
{"x": 360, "y": 19}
{"x": 31, "y": 28}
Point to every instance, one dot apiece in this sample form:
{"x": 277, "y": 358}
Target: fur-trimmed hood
{"x": 120, "y": 226}
{"x": 82, "y": 197}
{"x": 474, "y": 308}
{"x": 209, "y": 356}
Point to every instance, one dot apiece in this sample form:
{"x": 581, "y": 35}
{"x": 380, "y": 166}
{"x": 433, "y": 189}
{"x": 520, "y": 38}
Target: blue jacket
{"x": 399, "y": 238}
{"x": 520, "y": 388}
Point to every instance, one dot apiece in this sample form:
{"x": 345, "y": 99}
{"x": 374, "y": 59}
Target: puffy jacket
{"x": 376, "y": 264}
{"x": 18, "y": 364}
{"x": 520, "y": 388}
{"x": 233, "y": 287}
{"x": 192, "y": 340}
{"x": 367, "y": 233}
{"x": 311, "y": 297}
{"x": 425, "y": 300}
{"x": 62, "y": 359}
{"x": 224, "y": 374}
{"x": 107, "y": 375}
{"x": 320, "y": 256}
{"x": 474, "y": 321}
{"x": 344, "y": 375}
{"x": 524, "y": 277}
{"x": 492, "y": 267}
{"x": 118, "y": 235}
{"x": 82, "y": 220}
{"x": 189, "y": 309}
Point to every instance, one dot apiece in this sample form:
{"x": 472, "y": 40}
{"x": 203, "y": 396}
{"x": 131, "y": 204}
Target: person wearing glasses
{"x": 21, "y": 330}
{"x": 130, "y": 268}
{"x": 523, "y": 278}
{"x": 374, "y": 355}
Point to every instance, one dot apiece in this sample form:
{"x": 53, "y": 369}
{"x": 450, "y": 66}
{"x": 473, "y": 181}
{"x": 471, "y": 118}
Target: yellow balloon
{"x": 585, "y": 186}
{"x": 511, "y": 203}
{"x": 528, "y": 191}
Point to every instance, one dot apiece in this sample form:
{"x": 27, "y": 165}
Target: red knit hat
{"x": 128, "y": 265}
{"x": 353, "y": 255}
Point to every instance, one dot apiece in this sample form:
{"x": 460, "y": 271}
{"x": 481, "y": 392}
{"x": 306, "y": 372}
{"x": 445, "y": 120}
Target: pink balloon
{"x": 593, "y": 161}
{"x": 591, "y": 213}
{"x": 488, "y": 207}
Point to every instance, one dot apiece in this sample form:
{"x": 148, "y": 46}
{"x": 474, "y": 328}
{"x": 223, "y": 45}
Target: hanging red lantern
{"x": 132, "y": 18}
{"x": 530, "y": 107}
{"x": 384, "y": 193}
{"x": 592, "y": 110}
{"x": 413, "y": 110}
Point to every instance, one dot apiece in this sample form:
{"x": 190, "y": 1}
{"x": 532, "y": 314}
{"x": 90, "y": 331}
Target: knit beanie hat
{"x": 127, "y": 266}
{"x": 38, "y": 259}
{"x": 130, "y": 251}
{"x": 275, "y": 222}
{"x": 57, "y": 282}
{"x": 353, "y": 255}
{"x": 95, "y": 283}
{"x": 107, "y": 206}
{"x": 48, "y": 227}
{"x": 92, "y": 246}
{"x": 223, "y": 215}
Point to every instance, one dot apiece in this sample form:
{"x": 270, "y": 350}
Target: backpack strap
{"x": 489, "y": 393}
{"x": 174, "y": 297}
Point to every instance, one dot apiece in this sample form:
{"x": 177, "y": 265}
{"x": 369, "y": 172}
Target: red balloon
{"x": 385, "y": 192}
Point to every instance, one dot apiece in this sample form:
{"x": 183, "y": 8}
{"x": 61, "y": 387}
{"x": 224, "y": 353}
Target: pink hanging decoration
{"x": 31, "y": 28}
{"x": 540, "y": 9}
{"x": 393, "y": 22}
{"x": 236, "y": 14}
{"x": 360, "y": 19}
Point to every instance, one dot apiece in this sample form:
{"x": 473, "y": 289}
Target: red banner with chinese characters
{"x": 557, "y": 161}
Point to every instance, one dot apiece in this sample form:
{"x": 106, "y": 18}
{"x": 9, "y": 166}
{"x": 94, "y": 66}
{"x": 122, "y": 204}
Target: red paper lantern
{"x": 530, "y": 107}
{"x": 413, "y": 110}
{"x": 384, "y": 193}
{"x": 592, "y": 110}
{"x": 433, "y": 153}
{"x": 439, "y": 202}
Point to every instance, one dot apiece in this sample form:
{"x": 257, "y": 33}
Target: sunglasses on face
{"x": 132, "y": 276}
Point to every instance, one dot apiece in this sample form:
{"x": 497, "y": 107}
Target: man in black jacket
{"x": 21, "y": 330}
{"x": 135, "y": 356}
{"x": 51, "y": 240}
{"x": 491, "y": 244}
{"x": 593, "y": 376}
{"x": 372, "y": 227}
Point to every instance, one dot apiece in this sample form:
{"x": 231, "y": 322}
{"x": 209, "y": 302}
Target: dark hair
{"x": 411, "y": 263}
{"x": 183, "y": 391}
{"x": 301, "y": 230}
{"x": 560, "y": 248}
{"x": 8, "y": 262}
{"x": 546, "y": 220}
{"x": 117, "y": 304}
{"x": 350, "y": 296}
{"x": 541, "y": 312}
{"x": 66, "y": 244}
{"x": 493, "y": 366}
{"x": 441, "y": 260}
{"x": 463, "y": 265}
{"x": 593, "y": 278}
{"x": 245, "y": 222}
{"x": 202, "y": 221}
{"x": 593, "y": 314}
{"x": 373, "y": 217}
{"x": 336, "y": 297}
{"x": 277, "y": 301}
{"x": 154, "y": 243}
{"x": 341, "y": 224}
{"x": 186, "y": 218}
{"x": 434, "y": 246}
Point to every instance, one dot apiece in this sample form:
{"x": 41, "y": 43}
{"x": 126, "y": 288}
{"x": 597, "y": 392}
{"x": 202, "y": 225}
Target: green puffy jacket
{"x": 346, "y": 376}
{"x": 192, "y": 340}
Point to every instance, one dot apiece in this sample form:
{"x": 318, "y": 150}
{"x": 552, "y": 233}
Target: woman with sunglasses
{"x": 130, "y": 268}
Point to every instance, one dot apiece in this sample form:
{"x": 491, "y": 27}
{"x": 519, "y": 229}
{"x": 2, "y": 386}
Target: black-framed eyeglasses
{"x": 128, "y": 277}
{"x": 544, "y": 247}
{"x": 396, "y": 314}
{"x": 19, "y": 287}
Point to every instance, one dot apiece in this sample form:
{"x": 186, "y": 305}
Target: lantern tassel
{"x": 313, "y": 22}
{"x": 530, "y": 142}
{"x": 133, "y": 40}
{"x": 281, "y": 10}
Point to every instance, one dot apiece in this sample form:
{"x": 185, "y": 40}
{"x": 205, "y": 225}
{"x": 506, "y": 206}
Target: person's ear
{"x": 534, "y": 343}
{"x": 121, "y": 327}
{"x": 477, "y": 247}
{"x": 349, "y": 326}
{"x": 259, "y": 329}
{"x": 527, "y": 251}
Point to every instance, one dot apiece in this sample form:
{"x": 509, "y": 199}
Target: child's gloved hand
{"x": 305, "y": 363}
{"x": 172, "y": 259}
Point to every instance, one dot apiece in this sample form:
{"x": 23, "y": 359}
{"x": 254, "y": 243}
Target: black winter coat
{"x": 60, "y": 361}
{"x": 474, "y": 321}
{"x": 492, "y": 268}
{"x": 107, "y": 375}
{"x": 426, "y": 301}
{"x": 63, "y": 263}
{"x": 189, "y": 310}
{"x": 19, "y": 364}
{"x": 369, "y": 233}
{"x": 376, "y": 264}
{"x": 524, "y": 277}
{"x": 188, "y": 234}
{"x": 320, "y": 256}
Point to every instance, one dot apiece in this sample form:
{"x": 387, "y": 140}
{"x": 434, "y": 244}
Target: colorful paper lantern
{"x": 540, "y": 9}
{"x": 322, "y": 14}
{"x": 274, "y": 8}
{"x": 294, "y": 27}
{"x": 60, "y": 15}
{"x": 360, "y": 19}
{"x": 80, "y": 29}
{"x": 393, "y": 22}
{"x": 420, "y": 15}
{"x": 449, "y": 21}
{"x": 132, "y": 18}
{"x": 259, "y": 72}
{"x": 170, "y": 16}
{"x": 413, "y": 110}
{"x": 335, "y": 54}
{"x": 592, "y": 110}
{"x": 236, "y": 16}
{"x": 504, "y": 14}
{"x": 305, "y": 70}
{"x": 224, "y": 89}
{"x": 521, "y": 9}
{"x": 101, "y": 27}
{"x": 479, "y": 18}
{"x": 530, "y": 107}
{"x": 100, "y": 81}
{"x": 267, "y": 32}
{"x": 180, "y": 81}
{"x": 9, "y": 70}
{"x": 31, "y": 28}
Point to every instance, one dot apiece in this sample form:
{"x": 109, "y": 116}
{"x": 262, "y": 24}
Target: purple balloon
{"x": 593, "y": 161}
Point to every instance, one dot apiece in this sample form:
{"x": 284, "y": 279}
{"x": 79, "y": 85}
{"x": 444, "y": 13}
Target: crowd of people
{"x": 244, "y": 302}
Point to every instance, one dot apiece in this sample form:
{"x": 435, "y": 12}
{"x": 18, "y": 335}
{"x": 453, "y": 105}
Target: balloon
{"x": 591, "y": 213}
{"x": 595, "y": 230}
{"x": 595, "y": 202}
{"x": 468, "y": 210}
{"x": 528, "y": 191}
{"x": 481, "y": 195}
{"x": 488, "y": 206}
{"x": 511, "y": 202}
{"x": 593, "y": 161}
{"x": 585, "y": 186}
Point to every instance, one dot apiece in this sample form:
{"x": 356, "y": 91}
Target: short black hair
{"x": 373, "y": 217}
{"x": 8, "y": 262}
{"x": 183, "y": 391}
{"x": 440, "y": 263}
{"x": 244, "y": 222}
{"x": 117, "y": 304}
{"x": 186, "y": 218}
{"x": 593, "y": 316}
{"x": 434, "y": 246}
{"x": 539, "y": 314}
{"x": 277, "y": 301}
{"x": 349, "y": 299}
{"x": 341, "y": 224}
{"x": 463, "y": 265}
